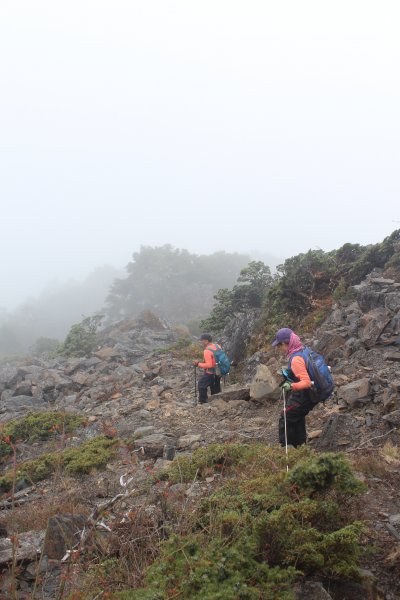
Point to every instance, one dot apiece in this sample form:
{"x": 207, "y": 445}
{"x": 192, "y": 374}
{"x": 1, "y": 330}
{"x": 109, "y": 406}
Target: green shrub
{"x": 81, "y": 338}
{"x": 249, "y": 292}
{"x": 325, "y": 471}
{"x": 37, "y": 426}
{"x": 91, "y": 455}
{"x": 262, "y": 529}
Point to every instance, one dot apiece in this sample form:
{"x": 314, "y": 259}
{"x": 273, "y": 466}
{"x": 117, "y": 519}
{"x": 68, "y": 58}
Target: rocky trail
{"x": 138, "y": 388}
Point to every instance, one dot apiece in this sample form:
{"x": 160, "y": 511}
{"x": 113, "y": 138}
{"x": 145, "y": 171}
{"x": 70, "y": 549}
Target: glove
{"x": 287, "y": 386}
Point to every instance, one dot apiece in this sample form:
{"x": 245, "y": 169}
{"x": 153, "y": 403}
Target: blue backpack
{"x": 319, "y": 373}
{"x": 223, "y": 363}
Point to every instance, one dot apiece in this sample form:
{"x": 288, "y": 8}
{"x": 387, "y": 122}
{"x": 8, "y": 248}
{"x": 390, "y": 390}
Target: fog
{"x": 239, "y": 126}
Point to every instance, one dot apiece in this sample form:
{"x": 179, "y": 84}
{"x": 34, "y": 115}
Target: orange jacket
{"x": 299, "y": 369}
{"x": 209, "y": 360}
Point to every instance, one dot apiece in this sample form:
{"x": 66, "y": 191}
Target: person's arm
{"x": 299, "y": 369}
{"x": 208, "y": 360}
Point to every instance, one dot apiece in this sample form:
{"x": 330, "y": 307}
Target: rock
{"x": 392, "y": 301}
{"x": 107, "y": 353}
{"x": 382, "y": 281}
{"x": 233, "y": 392}
{"x": 393, "y": 418}
{"x": 341, "y": 379}
{"x": 330, "y": 345}
{"x": 340, "y": 430}
{"x": 312, "y": 435}
{"x": 368, "y": 298}
{"x": 187, "y": 440}
{"x": 218, "y": 406}
{"x": 142, "y": 431}
{"x": 62, "y": 534}
{"x": 6, "y": 394}
{"x": 153, "y": 404}
{"x": 28, "y": 548}
{"x": 153, "y": 445}
{"x": 236, "y": 336}
{"x": 251, "y": 364}
{"x": 264, "y": 385}
{"x": 161, "y": 463}
{"x": 157, "y": 390}
{"x": 311, "y": 590}
{"x": 24, "y": 388}
{"x": 372, "y": 325}
{"x": 82, "y": 378}
{"x": 395, "y": 520}
{"x": 18, "y": 404}
{"x": 354, "y": 391}
{"x": 393, "y": 357}
{"x": 8, "y": 376}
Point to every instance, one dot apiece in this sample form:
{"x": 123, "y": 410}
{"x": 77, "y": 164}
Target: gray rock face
{"x": 237, "y": 334}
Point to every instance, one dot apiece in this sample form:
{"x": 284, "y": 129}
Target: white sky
{"x": 269, "y": 125}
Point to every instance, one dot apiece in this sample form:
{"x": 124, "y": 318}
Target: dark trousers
{"x": 211, "y": 381}
{"x": 298, "y": 405}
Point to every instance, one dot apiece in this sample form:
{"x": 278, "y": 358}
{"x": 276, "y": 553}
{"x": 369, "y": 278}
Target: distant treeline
{"x": 52, "y": 313}
{"x": 173, "y": 283}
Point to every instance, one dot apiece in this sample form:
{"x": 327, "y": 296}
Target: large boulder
{"x": 264, "y": 384}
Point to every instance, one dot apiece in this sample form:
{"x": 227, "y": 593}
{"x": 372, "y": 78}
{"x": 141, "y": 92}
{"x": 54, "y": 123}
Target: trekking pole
{"x": 284, "y": 419}
{"x": 195, "y": 381}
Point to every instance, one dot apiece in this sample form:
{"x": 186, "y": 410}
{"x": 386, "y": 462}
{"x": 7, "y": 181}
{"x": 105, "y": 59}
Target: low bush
{"x": 261, "y": 529}
{"x": 75, "y": 461}
{"x": 37, "y": 426}
{"x": 81, "y": 338}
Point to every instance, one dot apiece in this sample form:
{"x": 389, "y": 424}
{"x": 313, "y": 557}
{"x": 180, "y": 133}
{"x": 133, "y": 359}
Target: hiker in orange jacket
{"x": 209, "y": 378}
{"x": 299, "y": 402}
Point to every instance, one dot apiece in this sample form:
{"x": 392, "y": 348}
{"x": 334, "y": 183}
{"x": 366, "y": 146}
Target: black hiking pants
{"x": 298, "y": 405}
{"x": 211, "y": 381}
